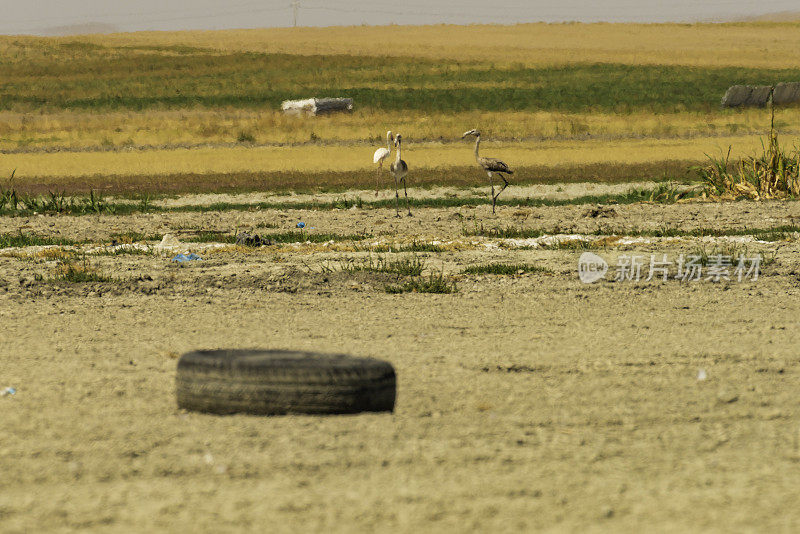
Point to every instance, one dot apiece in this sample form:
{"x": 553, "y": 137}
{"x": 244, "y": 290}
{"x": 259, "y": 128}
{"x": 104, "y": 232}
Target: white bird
{"x": 399, "y": 170}
{"x": 490, "y": 165}
{"x": 380, "y": 155}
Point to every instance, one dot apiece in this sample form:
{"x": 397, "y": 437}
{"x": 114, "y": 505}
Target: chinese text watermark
{"x": 658, "y": 267}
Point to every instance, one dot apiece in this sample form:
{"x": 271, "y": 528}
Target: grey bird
{"x": 399, "y": 170}
{"x": 490, "y": 165}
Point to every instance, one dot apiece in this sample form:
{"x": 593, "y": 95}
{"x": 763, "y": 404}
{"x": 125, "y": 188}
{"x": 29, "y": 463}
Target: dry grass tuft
{"x": 773, "y": 174}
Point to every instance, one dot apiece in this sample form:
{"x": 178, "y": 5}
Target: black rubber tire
{"x": 276, "y": 382}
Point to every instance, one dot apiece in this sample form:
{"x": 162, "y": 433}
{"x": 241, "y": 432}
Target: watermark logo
{"x": 687, "y": 268}
{"x": 591, "y": 267}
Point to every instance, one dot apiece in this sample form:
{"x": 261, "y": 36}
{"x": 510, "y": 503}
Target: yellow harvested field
{"x": 164, "y": 128}
{"x": 315, "y": 158}
{"x": 765, "y": 44}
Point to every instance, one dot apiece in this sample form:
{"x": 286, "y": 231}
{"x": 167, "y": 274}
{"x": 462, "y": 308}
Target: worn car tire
{"x": 274, "y": 382}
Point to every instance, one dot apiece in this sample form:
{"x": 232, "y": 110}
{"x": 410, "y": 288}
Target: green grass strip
{"x": 30, "y": 240}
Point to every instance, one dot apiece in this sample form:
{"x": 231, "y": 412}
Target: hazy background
{"x": 75, "y": 16}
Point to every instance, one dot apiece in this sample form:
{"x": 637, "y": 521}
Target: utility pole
{"x": 295, "y": 5}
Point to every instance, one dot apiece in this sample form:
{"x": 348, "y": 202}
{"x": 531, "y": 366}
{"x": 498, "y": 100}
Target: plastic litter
{"x": 7, "y": 391}
{"x": 253, "y": 240}
{"x": 180, "y": 258}
{"x": 701, "y": 375}
{"x": 301, "y": 224}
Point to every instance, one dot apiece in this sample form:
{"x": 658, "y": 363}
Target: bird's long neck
{"x": 397, "y": 159}
{"x": 389, "y": 143}
{"x": 477, "y": 145}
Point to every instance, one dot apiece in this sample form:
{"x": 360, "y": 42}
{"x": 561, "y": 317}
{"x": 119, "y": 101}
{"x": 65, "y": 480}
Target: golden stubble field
{"x": 51, "y": 142}
{"x": 321, "y": 159}
{"x": 526, "y": 401}
{"x": 745, "y": 44}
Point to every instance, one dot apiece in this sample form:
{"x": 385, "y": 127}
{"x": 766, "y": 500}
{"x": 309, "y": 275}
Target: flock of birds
{"x": 399, "y": 168}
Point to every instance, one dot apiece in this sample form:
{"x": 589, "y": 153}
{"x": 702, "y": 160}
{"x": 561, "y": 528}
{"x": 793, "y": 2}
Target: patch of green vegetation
{"x": 404, "y": 266}
{"x": 13, "y": 203}
{"x": 302, "y": 236}
{"x": 175, "y": 49}
{"x": 210, "y": 237}
{"x": 245, "y": 137}
{"x": 775, "y": 173}
{"x": 777, "y": 233}
{"x": 30, "y": 240}
{"x": 80, "y": 75}
{"x": 569, "y": 244}
{"x": 730, "y": 251}
{"x": 669, "y": 192}
{"x": 434, "y": 283}
{"x": 80, "y": 272}
{"x": 505, "y": 268}
{"x": 414, "y": 246}
{"x": 170, "y": 186}
{"x": 346, "y": 204}
{"x": 508, "y": 232}
{"x": 121, "y": 251}
{"x": 292, "y": 236}
{"x": 134, "y": 237}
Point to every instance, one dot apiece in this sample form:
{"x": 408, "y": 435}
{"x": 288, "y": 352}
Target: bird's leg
{"x": 406, "y": 192}
{"x": 396, "y": 198}
{"x": 491, "y": 183}
{"x": 505, "y": 184}
{"x": 378, "y": 177}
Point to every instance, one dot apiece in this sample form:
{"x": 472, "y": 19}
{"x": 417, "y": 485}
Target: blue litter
{"x": 180, "y": 258}
{"x": 301, "y": 224}
{"x": 7, "y": 391}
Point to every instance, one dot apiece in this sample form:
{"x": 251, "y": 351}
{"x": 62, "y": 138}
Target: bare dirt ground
{"x": 529, "y": 401}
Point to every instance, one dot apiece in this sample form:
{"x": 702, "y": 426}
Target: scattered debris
{"x": 253, "y": 240}
{"x": 701, "y": 375}
{"x": 168, "y": 242}
{"x": 301, "y": 224}
{"x": 727, "y": 397}
{"x": 600, "y": 211}
{"x": 758, "y": 95}
{"x": 180, "y": 258}
{"x": 316, "y": 106}
{"x": 7, "y": 391}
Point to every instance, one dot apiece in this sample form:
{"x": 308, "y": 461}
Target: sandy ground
{"x": 525, "y": 402}
{"x": 548, "y": 191}
{"x": 432, "y": 223}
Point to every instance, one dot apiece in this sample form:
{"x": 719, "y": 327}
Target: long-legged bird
{"x": 490, "y": 165}
{"x": 380, "y": 155}
{"x": 399, "y": 170}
